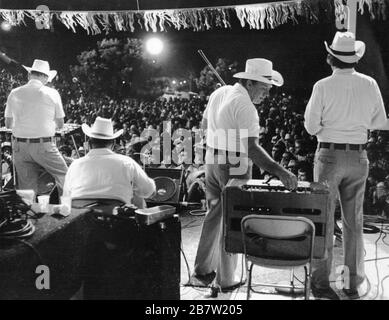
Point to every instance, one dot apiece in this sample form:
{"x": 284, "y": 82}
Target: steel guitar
{"x": 68, "y": 129}
{"x": 244, "y": 197}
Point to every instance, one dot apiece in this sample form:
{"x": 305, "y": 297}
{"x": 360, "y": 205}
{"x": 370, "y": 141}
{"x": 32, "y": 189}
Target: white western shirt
{"x": 105, "y": 174}
{"x": 343, "y": 107}
{"x": 231, "y": 117}
{"x": 34, "y": 108}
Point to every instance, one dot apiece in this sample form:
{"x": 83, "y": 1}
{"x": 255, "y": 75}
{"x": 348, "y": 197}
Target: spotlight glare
{"x": 6, "y": 26}
{"x": 154, "y": 46}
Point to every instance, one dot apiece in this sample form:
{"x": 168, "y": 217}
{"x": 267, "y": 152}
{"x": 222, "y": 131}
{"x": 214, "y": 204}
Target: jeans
{"x": 211, "y": 255}
{"x": 345, "y": 171}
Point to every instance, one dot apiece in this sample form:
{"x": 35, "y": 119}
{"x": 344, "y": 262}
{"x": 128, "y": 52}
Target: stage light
{"x": 174, "y": 82}
{"x": 154, "y": 46}
{"x": 6, "y": 26}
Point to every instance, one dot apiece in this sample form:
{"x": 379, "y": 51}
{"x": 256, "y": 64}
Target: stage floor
{"x": 376, "y": 265}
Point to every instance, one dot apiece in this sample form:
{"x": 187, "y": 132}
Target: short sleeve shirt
{"x": 231, "y": 117}
{"x": 34, "y": 108}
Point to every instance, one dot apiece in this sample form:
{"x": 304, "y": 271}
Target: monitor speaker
{"x": 168, "y": 186}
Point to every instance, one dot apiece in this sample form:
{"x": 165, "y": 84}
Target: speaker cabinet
{"x": 245, "y": 197}
{"x": 146, "y": 268}
{"x": 168, "y": 183}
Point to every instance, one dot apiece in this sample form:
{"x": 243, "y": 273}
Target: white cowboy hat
{"x": 101, "y": 129}
{"x": 42, "y": 67}
{"x": 261, "y": 70}
{"x": 6, "y": 144}
{"x": 345, "y": 48}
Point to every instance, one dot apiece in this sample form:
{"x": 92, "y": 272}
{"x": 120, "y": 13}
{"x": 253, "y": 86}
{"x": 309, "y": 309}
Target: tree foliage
{"x": 116, "y": 67}
{"x": 208, "y": 82}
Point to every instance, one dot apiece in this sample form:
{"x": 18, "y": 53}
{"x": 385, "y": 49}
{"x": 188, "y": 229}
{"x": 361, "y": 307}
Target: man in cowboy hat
{"x": 232, "y": 125}
{"x": 103, "y": 174}
{"x": 33, "y": 112}
{"x": 341, "y": 110}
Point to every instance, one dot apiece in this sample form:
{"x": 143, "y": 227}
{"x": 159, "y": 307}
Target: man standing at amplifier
{"x": 33, "y": 112}
{"x": 341, "y": 110}
{"x": 232, "y": 125}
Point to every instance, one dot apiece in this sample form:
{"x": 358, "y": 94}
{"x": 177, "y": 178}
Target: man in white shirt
{"x": 232, "y": 125}
{"x": 341, "y": 110}
{"x": 33, "y": 112}
{"x": 103, "y": 174}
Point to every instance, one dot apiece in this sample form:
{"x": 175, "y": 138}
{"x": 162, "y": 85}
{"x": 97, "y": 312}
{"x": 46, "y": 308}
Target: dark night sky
{"x": 296, "y": 50}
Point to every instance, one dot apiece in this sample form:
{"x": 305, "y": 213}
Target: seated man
{"x": 103, "y": 174}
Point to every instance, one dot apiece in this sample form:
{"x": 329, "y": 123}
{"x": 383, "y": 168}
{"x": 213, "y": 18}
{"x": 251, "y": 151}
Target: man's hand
{"x": 288, "y": 179}
{"x": 265, "y": 162}
{"x": 59, "y": 122}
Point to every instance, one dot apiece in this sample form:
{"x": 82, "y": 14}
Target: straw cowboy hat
{"x": 42, "y": 67}
{"x": 101, "y": 129}
{"x": 345, "y": 48}
{"x": 261, "y": 70}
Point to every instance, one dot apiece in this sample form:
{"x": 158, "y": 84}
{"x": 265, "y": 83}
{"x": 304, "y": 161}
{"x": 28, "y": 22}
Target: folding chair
{"x": 280, "y": 242}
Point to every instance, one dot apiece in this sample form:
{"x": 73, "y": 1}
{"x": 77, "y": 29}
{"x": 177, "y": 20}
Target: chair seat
{"x": 279, "y": 242}
{"x": 274, "y": 263}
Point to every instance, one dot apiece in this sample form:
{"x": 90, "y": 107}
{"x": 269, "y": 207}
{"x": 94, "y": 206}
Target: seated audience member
{"x": 66, "y": 153}
{"x": 103, "y": 174}
{"x": 6, "y": 162}
{"x": 277, "y": 153}
{"x": 196, "y": 190}
{"x": 381, "y": 197}
{"x": 302, "y": 174}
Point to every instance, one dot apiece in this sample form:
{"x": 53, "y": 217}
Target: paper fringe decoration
{"x": 253, "y": 16}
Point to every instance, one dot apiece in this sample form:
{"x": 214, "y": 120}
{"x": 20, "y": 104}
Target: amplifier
{"x": 244, "y": 197}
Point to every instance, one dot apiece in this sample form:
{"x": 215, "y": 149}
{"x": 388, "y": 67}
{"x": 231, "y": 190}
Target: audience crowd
{"x": 149, "y": 126}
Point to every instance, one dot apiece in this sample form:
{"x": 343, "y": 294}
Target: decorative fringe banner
{"x": 271, "y": 15}
{"x": 255, "y": 16}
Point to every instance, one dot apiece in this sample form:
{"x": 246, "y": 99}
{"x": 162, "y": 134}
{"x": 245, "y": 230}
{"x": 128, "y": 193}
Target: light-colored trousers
{"x": 211, "y": 255}
{"x": 33, "y": 158}
{"x": 346, "y": 172}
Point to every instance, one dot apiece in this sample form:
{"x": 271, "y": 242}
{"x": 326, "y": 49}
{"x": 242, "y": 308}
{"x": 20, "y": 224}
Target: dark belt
{"x": 342, "y": 146}
{"x": 34, "y": 140}
{"x": 225, "y": 152}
